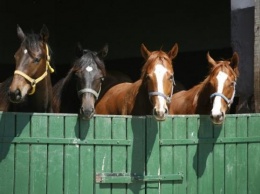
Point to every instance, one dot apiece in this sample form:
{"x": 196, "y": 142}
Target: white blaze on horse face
{"x": 25, "y": 51}
{"x": 159, "y": 72}
{"x": 89, "y": 68}
{"x": 221, "y": 77}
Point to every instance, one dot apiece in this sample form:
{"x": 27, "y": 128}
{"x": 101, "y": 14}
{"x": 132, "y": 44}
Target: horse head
{"x": 89, "y": 72}
{"x": 158, "y": 76}
{"x": 32, "y": 64}
{"x": 222, "y": 81}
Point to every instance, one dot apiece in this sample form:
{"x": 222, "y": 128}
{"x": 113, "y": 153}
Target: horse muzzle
{"x": 160, "y": 114}
{"x": 87, "y": 114}
{"x": 218, "y": 119}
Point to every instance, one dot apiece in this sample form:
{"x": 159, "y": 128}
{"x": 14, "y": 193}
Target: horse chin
{"x": 159, "y": 117}
{"x": 87, "y": 117}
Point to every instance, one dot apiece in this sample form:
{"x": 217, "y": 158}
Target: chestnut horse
{"x": 30, "y": 88}
{"x": 151, "y": 94}
{"x": 79, "y": 90}
{"x": 214, "y": 95}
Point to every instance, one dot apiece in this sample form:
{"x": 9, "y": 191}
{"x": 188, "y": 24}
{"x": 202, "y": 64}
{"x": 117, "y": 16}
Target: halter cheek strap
{"x": 35, "y": 81}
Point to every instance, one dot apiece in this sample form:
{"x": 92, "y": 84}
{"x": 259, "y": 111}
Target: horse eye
{"x": 36, "y": 60}
{"x": 171, "y": 78}
{"x": 147, "y": 77}
{"x": 102, "y": 79}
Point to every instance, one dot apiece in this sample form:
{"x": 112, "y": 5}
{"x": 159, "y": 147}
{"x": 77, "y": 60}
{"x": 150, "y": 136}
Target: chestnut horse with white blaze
{"x": 150, "y": 94}
{"x": 214, "y": 95}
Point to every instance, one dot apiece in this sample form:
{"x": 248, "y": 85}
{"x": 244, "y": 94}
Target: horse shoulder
{"x": 113, "y": 100}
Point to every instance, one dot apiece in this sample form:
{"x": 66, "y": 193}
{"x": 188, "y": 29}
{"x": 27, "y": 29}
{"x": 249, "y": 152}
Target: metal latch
{"x": 130, "y": 178}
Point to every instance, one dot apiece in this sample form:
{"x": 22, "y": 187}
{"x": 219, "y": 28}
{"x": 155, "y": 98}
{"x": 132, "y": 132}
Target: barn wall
{"x": 242, "y": 41}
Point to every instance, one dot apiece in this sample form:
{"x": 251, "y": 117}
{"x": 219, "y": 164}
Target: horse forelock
{"x": 88, "y": 59}
{"x": 156, "y": 57}
{"x": 223, "y": 66}
{"x": 32, "y": 43}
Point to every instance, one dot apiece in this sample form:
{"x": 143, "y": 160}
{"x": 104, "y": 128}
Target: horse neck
{"x": 69, "y": 94}
{"x": 203, "y": 98}
{"x": 142, "y": 104}
{"x": 41, "y": 100}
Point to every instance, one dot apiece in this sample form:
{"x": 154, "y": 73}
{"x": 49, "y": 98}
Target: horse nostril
{"x": 166, "y": 111}
{"x": 15, "y": 96}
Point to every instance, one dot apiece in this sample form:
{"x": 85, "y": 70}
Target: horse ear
{"x": 20, "y": 33}
{"x": 104, "y": 51}
{"x": 79, "y": 50}
{"x": 144, "y": 51}
{"x": 234, "y": 62}
{"x": 44, "y": 33}
{"x": 173, "y": 52}
{"x": 211, "y": 61}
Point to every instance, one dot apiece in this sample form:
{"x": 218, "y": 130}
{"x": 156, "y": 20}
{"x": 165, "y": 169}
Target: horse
{"x": 19, "y": 92}
{"x": 148, "y": 95}
{"x": 212, "y": 96}
{"x": 78, "y": 91}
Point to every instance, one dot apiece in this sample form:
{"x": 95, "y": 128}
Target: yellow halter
{"x": 35, "y": 81}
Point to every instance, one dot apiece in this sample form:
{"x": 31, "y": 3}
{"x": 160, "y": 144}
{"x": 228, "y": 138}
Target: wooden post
{"x": 257, "y": 57}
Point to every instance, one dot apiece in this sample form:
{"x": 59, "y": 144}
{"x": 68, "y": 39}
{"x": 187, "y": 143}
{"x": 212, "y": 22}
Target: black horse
{"x": 79, "y": 90}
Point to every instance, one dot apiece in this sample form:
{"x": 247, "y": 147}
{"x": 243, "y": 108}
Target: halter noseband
{"x": 35, "y": 81}
{"x": 167, "y": 98}
{"x": 90, "y": 90}
{"x": 228, "y": 101}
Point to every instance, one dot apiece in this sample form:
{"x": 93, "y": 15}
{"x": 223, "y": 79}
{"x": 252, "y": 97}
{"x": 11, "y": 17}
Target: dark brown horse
{"x": 30, "y": 89}
{"x": 79, "y": 90}
{"x": 151, "y": 94}
{"x": 214, "y": 95}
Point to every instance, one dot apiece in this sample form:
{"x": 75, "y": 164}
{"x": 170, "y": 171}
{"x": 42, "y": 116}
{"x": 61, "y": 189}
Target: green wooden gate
{"x": 59, "y": 153}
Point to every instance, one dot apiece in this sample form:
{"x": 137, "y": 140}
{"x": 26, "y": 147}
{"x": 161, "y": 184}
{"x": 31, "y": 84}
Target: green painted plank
{"x": 152, "y": 153}
{"x": 87, "y": 157}
{"x": 71, "y": 157}
{"x": 103, "y": 153}
{"x": 136, "y": 130}
{"x": 204, "y": 156}
{"x": 166, "y": 155}
{"x": 218, "y": 159}
{"x": 119, "y": 155}
{"x": 242, "y": 160}
{"x": 253, "y": 156}
{"x": 38, "y": 158}
{"x": 180, "y": 158}
{"x": 192, "y": 163}
{"x": 55, "y": 156}
{"x": 22, "y": 164}
{"x": 7, "y": 154}
{"x": 230, "y": 157}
